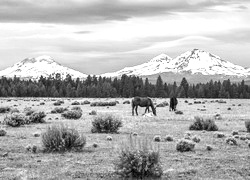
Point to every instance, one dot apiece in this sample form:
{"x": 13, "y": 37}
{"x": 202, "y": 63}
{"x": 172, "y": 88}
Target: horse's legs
{"x": 133, "y": 107}
{"x": 136, "y": 107}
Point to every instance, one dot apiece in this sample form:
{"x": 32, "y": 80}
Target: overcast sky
{"x": 98, "y": 36}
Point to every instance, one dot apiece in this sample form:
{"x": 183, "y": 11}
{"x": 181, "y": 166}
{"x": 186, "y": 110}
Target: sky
{"x": 99, "y": 36}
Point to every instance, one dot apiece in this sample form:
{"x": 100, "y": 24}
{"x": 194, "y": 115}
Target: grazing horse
{"x": 142, "y": 102}
{"x": 173, "y": 103}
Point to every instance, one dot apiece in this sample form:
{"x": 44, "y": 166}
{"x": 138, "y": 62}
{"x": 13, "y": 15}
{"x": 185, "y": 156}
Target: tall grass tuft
{"x": 201, "y": 124}
{"x": 106, "y": 123}
{"x": 61, "y": 138}
{"x": 138, "y": 159}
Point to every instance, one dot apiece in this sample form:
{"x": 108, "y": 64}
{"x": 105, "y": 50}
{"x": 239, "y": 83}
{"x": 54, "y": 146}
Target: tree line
{"x": 126, "y": 86}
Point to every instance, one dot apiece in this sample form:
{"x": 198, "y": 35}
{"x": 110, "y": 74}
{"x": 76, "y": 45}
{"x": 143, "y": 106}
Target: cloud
{"x": 82, "y": 32}
{"x": 96, "y": 11}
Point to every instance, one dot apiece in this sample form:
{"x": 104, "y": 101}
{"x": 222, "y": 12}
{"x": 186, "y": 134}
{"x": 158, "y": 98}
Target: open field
{"x": 223, "y": 162}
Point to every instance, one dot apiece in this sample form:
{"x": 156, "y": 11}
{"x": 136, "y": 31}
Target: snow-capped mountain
{"x": 34, "y": 68}
{"x": 193, "y": 62}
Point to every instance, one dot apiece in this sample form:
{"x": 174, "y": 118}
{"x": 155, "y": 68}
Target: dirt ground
{"x": 223, "y": 162}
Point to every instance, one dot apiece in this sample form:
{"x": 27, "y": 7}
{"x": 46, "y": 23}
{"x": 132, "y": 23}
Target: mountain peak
{"x": 34, "y": 68}
{"x": 38, "y": 59}
{"x": 195, "y": 61}
{"x": 161, "y": 58}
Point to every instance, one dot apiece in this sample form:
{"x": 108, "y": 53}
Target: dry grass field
{"x": 223, "y": 162}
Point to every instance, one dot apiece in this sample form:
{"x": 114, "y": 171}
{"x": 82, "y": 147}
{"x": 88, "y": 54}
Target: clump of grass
{"x": 14, "y": 110}
{"x": 169, "y": 138}
{"x": 85, "y": 102}
{"x": 72, "y": 114}
{"x": 138, "y": 159}
{"x": 57, "y": 103}
{"x": 179, "y": 112}
{"x": 2, "y": 132}
{"x": 185, "y": 145}
{"x": 247, "y": 124}
{"x": 37, "y": 117}
{"x": 93, "y": 112}
{"x": 201, "y": 124}
{"x": 15, "y": 120}
{"x": 61, "y": 138}
{"x": 4, "y": 109}
{"x": 126, "y": 102}
{"x": 75, "y": 103}
{"x": 58, "y": 110}
{"x": 219, "y": 135}
{"x": 76, "y": 108}
{"x": 231, "y": 141}
{"x": 112, "y": 103}
{"x": 106, "y": 123}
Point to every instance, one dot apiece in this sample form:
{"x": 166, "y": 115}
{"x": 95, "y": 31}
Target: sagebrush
{"x": 60, "y": 138}
{"x": 106, "y": 123}
{"x": 201, "y": 124}
{"x": 138, "y": 159}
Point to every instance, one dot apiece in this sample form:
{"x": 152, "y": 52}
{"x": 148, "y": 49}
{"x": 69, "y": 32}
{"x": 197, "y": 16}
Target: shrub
{"x": 184, "y": 145}
{"x": 201, "y": 124}
{"x": 85, "y": 102}
{"x": 178, "y": 112}
{"x": 163, "y": 104}
{"x": 196, "y": 139}
{"x": 37, "y": 117}
{"x": 235, "y": 133}
{"x": 109, "y": 138}
{"x": 28, "y": 111}
{"x": 76, "y": 108}
{"x": 126, "y": 102}
{"x": 209, "y": 147}
{"x": 138, "y": 159}
{"x": 219, "y": 135}
{"x": 57, "y": 103}
{"x": 72, "y": 114}
{"x": 247, "y": 124}
{"x": 2, "y": 132}
{"x": 106, "y": 123}
{"x": 4, "y": 109}
{"x": 93, "y": 112}
{"x": 42, "y": 103}
{"x": 112, "y": 103}
{"x": 75, "y": 103}
{"x": 60, "y": 138}
{"x": 169, "y": 138}
{"x": 15, "y": 120}
{"x": 157, "y": 138}
{"x": 231, "y": 141}
{"x": 58, "y": 110}
{"x": 14, "y": 110}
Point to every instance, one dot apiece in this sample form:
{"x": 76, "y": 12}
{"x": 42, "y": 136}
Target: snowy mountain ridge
{"x": 34, "y": 68}
{"x": 193, "y": 62}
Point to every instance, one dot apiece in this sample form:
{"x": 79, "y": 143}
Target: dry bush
{"x": 126, "y": 102}
{"x": 231, "y": 141}
{"x": 58, "y": 110}
{"x": 179, "y": 112}
{"x": 184, "y": 145}
{"x": 201, "y": 124}
{"x": 93, "y": 112}
{"x": 37, "y": 117}
{"x": 85, "y": 102}
{"x": 138, "y": 159}
{"x": 15, "y": 120}
{"x": 60, "y": 138}
{"x": 76, "y": 108}
{"x": 72, "y": 114}
{"x": 75, "y": 103}
{"x": 111, "y": 103}
{"x": 247, "y": 124}
{"x": 4, "y": 109}
{"x": 57, "y": 103}
{"x": 2, "y": 132}
{"x": 106, "y": 123}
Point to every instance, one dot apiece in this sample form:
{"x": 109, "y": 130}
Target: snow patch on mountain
{"x": 34, "y": 68}
{"x": 194, "y": 62}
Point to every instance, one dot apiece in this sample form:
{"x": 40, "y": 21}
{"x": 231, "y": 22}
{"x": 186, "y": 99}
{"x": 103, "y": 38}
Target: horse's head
{"x": 154, "y": 110}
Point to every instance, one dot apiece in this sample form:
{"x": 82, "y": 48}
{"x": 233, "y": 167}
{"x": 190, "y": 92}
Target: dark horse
{"x": 142, "y": 102}
{"x": 173, "y": 103}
